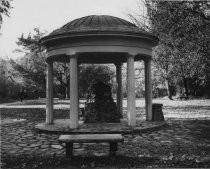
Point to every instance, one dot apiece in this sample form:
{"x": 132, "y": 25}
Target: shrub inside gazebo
{"x": 100, "y": 39}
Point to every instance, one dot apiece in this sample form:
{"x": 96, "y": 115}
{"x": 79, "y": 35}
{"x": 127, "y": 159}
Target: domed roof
{"x": 100, "y": 23}
{"x": 97, "y": 25}
{"x": 99, "y": 39}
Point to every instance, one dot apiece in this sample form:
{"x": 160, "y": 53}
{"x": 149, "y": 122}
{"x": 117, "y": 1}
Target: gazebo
{"x": 100, "y": 39}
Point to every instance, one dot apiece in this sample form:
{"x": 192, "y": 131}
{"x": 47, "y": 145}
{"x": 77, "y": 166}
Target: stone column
{"x": 148, "y": 89}
{"x": 131, "y": 102}
{"x": 49, "y": 94}
{"x": 119, "y": 88}
{"x": 74, "y": 104}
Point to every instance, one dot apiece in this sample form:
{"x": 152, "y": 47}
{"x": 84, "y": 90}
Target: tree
{"x": 32, "y": 66}
{"x": 4, "y": 9}
{"x": 61, "y": 72}
{"x": 163, "y": 63}
{"x": 90, "y": 74}
{"x": 182, "y": 28}
{"x": 30, "y": 44}
{"x": 3, "y": 78}
{"x": 9, "y": 81}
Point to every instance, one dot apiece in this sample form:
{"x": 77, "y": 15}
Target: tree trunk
{"x": 185, "y": 87}
{"x": 61, "y": 82}
{"x": 68, "y": 88}
{"x": 169, "y": 89}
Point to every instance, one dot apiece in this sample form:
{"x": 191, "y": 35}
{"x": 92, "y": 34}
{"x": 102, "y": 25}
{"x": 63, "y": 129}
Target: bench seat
{"x": 113, "y": 139}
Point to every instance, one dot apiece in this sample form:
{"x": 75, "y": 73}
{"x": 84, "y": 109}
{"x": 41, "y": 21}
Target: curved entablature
{"x": 99, "y": 54}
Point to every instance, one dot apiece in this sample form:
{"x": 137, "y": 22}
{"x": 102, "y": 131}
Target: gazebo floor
{"x": 61, "y": 126}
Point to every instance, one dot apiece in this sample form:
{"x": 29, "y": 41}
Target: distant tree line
{"x": 181, "y": 61}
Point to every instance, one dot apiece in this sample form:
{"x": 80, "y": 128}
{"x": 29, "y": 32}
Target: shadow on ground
{"x": 93, "y": 161}
{"x": 200, "y": 129}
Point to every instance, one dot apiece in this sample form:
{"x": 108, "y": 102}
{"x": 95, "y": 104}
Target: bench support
{"x": 113, "y": 148}
{"x": 69, "y": 149}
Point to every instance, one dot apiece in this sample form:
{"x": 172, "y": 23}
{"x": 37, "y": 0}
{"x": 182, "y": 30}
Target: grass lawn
{"x": 172, "y": 109}
{"x": 184, "y": 143}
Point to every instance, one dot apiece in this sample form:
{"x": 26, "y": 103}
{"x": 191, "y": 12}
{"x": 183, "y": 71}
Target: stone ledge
{"x": 61, "y": 126}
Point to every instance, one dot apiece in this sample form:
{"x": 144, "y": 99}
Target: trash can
{"x": 157, "y": 113}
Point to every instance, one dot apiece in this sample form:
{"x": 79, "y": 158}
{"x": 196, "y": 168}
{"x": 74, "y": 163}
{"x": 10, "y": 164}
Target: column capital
{"x": 130, "y": 55}
{"x": 148, "y": 59}
{"x": 72, "y": 53}
{"x": 49, "y": 61}
{"x": 118, "y": 63}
